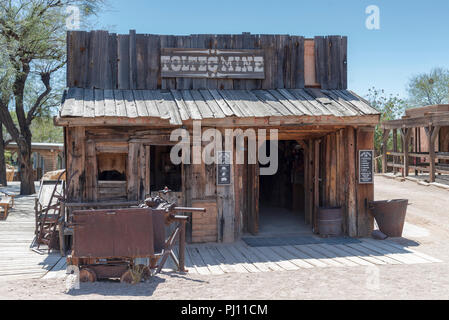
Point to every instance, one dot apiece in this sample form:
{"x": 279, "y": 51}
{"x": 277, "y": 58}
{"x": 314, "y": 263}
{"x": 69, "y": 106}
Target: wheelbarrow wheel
{"x": 145, "y": 271}
{"x": 87, "y": 275}
{"x": 139, "y": 272}
{"x": 127, "y": 277}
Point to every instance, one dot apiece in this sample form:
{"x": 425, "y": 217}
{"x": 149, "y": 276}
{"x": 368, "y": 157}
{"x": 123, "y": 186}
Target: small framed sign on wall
{"x": 223, "y": 168}
{"x": 366, "y": 166}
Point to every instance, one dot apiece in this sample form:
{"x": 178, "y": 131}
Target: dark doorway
{"x": 281, "y": 196}
{"x": 163, "y": 172}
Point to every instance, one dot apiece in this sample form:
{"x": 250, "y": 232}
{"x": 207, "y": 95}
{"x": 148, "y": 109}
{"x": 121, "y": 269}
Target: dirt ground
{"x": 429, "y": 209}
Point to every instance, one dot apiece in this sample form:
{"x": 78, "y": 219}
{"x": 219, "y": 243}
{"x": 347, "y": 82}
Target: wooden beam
{"x": 406, "y": 135}
{"x": 395, "y": 148}
{"x": 385, "y": 136}
{"x": 91, "y": 172}
{"x": 76, "y": 155}
{"x": 316, "y": 184}
{"x": 351, "y": 175}
{"x": 132, "y": 175}
{"x": 432, "y": 134}
{"x": 221, "y": 122}
{"x": 365, "y": 192}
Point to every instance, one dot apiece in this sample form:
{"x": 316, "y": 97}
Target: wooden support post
{"x": 309, "y": 182}
{"x": 333, "y": 170}
{"x": 342, "y": 182}
{"x": 351, "y": 176}
{"x": 385, "y": 136}
{"x": 406, "y": 134}
{"x": 133, "y": 171}
{"x": 91, "y": 172}
{"x": 148, "y": 171}
{"x": 432, "y": 133}
{"x": 307, "y": 146}
{"x": 395, "y": 149}
{"x": 76, "y": 161}
{"x": 365, "y": 192}
{"x": 316, "y": 184}
{"x": 182, "y": 246}
{"x": 62, "y": 224}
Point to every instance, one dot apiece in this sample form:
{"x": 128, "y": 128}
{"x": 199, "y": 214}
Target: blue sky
{"x": 413, "y": 35}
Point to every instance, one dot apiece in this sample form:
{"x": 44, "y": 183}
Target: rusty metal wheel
{"x": 144, "y": 271}
{"x": 87, "y": 275}
{"x": 127, "y": 277}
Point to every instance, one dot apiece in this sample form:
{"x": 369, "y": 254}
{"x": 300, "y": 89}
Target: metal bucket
{"x": 330, "y": 221}
{"x": 390, "y": 216}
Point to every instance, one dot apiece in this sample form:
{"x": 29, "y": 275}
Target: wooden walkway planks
{"x": 17, "y": 261}
{"x": 241, "y": 258}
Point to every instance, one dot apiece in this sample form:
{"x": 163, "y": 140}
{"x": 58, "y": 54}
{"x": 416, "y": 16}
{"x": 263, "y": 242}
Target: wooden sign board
{"x": 224, "y": 168}
{"x": 366, "y": 166}
{"x": 212, "y": 63}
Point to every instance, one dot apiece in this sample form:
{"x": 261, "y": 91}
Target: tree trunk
{"x": 26, "y": 170}
{"x": 3, "y": 179}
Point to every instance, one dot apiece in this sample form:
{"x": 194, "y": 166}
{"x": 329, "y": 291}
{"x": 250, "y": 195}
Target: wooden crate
{"x": 205, "y": 224}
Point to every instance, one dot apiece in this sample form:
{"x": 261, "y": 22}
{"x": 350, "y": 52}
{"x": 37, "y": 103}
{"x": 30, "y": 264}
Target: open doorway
{"x": 282, "y": 196}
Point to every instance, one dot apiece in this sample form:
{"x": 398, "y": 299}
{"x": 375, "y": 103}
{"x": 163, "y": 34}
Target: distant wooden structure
{"x": 126, "y": 94}
{"x": 46, "y": 157}
{"x": 424, "y": 133}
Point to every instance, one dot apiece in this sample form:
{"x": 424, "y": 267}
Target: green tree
{"x": 43, "y": 130}
{"x": 33, "y": 52}
{"x": 429, "y": 88}
{"x": 391, "y": 107}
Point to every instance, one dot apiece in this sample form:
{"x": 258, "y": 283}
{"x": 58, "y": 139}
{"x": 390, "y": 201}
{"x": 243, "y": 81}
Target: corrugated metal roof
{"x": 182, "y": 105}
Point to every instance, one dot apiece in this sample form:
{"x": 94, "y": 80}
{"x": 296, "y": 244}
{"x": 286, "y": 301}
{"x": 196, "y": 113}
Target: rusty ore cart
{"x": 106, "y": 243}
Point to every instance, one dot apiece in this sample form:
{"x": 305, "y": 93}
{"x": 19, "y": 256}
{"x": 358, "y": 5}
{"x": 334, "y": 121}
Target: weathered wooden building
{"x": 46, "y": 157}
{"x": 126, "y": 93}
{"x": 424, "y": 136}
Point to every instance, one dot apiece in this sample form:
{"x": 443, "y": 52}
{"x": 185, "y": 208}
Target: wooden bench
{"x": 11, "y": 196}
{"x": 5, "y": 204}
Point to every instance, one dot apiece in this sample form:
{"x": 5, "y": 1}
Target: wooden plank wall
{"x": 101, "y": 60}
{"x": 331, "y": 176}
{"x": 339, "y": 176}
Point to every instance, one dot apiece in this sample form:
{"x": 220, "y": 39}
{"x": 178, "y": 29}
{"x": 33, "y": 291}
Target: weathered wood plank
{"x": 120, "y": 106}
{"x": 99, "y": 103}
{"x": 123, "y": 62}
{"x": 89, "y": 103}
{"x": 109, "y": 103}
{"x": 142, "y": 110}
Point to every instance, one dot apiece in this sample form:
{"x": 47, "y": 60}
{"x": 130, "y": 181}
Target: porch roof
{"x": 179, "y": 106}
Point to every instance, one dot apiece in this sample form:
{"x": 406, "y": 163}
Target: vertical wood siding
{"x": 100, "y": 60}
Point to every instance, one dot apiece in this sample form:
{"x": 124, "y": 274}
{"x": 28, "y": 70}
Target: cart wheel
{"x": 87, "y": 275}
{"x": 127, "y": 277}
{"x": 145, "y": 271}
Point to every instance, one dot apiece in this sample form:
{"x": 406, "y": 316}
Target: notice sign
{"x": 212, "y": 63}
{"x": 224, "y": 168}
{"x": 366, "y": 166}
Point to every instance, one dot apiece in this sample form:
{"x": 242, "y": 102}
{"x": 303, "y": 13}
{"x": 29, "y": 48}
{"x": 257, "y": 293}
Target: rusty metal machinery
{"x": 107, "y": 242}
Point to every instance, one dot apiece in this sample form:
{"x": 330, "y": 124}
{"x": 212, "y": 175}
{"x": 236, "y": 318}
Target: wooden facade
{"x": 119, "y": 112}
{"x": 424, "y": 137}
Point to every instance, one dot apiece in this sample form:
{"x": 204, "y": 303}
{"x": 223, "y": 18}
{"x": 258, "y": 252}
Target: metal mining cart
{"x": 106, "y": 243}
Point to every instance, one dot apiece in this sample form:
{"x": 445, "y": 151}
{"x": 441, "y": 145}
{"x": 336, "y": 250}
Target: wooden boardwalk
{"x": 239, "y": 257}
{"x": 17, "y": 261}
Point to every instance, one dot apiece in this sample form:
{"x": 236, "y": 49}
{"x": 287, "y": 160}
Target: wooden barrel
{"x": 330, "y": 221}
